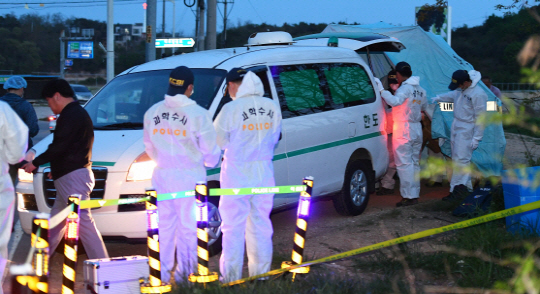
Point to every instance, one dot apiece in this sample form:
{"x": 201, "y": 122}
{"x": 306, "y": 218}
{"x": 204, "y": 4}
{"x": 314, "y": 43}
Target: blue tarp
{"x": 434, "y": 61}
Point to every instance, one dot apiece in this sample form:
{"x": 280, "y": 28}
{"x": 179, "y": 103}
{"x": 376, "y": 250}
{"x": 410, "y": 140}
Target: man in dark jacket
{"x": 69, "y": 154}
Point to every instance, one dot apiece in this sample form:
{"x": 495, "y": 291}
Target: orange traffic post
{"x": 71, "y": 242}
{"x": 204, "y": 275}
{"x": 304, "y": 204}
{"x": 155, "y": 284}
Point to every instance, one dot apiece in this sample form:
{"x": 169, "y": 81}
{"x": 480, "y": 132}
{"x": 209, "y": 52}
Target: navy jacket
{"x": 26, "y": 112}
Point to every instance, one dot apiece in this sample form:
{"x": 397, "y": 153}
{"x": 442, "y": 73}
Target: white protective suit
{"x": 180, "y": 138}
{"x": 466, "y": 133}
{"x": 407, "y": 106}
{"x": 13, "y": 142}
{"x": 387, "y": 180}
{"x": 247, "y": 129}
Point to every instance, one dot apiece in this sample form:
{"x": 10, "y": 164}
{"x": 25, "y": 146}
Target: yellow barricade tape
{"x": 460, "y": 225}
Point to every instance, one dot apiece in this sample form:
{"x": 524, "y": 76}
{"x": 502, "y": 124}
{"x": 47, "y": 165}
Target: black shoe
{"x": 384, "y": 191}
{"x": 459, "y": 193}
{"x": 432, "y": 184}
{"x": 407, "y": 202}
{"x": 450, "y": 197}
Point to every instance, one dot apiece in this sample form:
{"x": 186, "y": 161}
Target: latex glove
{"x": 378, "y": 85}
{"x": 30, "y": 155}
{"x": 434, "y": 99}
{"x": 474, "y": 144}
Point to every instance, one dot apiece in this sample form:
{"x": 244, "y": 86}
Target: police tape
{"x": 408, "y": 238}
{"x": 111, "y": 202}
{"x": 60, "y": 217}
{"x": 191, "y": 193}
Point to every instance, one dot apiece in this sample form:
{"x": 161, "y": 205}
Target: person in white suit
{"x": 13, "y": 143}
{"x": 407, "y": 105}
{"x": 180, "y": 138}
{"x": 248, "y": 128}
{"x": 470, "y": 102}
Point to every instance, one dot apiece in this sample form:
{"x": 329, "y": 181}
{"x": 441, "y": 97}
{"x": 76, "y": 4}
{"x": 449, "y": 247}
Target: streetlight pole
{"x": 110, "y": 41}
{"x": 173, "y": 22}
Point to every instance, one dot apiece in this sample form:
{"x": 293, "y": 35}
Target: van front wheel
{"x": 354, "y": 196}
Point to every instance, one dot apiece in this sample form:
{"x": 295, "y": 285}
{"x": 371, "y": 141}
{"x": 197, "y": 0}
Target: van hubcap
{"x": 358, "y": 189}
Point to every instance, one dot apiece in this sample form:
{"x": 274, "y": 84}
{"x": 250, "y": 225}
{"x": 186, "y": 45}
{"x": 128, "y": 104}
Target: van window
{"x": 312, "y": 88}
{"x": 123, "y": 102}
{"x": 299, "y": 89}
{"x": 349, "y": 85}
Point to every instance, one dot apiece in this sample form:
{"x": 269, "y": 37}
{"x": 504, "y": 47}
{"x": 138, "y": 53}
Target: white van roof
{"x": 244, "y": 56}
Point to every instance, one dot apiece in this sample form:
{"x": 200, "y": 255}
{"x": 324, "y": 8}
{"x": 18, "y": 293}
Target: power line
{"x": 64, "y": 2}
{"x": 71, "y": 4}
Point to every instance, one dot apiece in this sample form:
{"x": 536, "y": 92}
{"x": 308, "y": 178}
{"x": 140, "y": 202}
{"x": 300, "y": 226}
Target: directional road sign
{"x": 80, "y": 49}
{"x": 172, "y": 43}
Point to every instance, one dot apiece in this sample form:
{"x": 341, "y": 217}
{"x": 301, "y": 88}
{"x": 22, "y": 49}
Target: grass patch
{"x": 460, "y": 263}
{"x": 317, "y": 281}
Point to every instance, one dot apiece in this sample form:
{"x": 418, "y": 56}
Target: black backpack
{"x": 476, "y": 202}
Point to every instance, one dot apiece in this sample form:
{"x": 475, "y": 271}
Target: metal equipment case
{"x": 118, "y": 275}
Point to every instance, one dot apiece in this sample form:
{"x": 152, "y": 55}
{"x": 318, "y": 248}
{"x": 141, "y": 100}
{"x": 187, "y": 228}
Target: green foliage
{"x": 492, "y": 47}
{"x": 30, "y": 43}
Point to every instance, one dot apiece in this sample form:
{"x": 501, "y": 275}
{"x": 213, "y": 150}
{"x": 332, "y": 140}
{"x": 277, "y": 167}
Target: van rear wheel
{"x": 354, "y": 196}
{"x": 214, "y": 227}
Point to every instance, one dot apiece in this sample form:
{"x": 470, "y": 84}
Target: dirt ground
{"x": 330, "y": 233}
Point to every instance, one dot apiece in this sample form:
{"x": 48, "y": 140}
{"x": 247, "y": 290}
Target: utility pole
{"x": 173, "y": 22}
{"x": 110, "y": 41}
{"x": 211, "y": 25}
{"x": 225, "y": 16}
{"x": 163, "y": 28}
{"x": 200, "y": 33}
{"x": 62, "y": 53}
{"x": 151, "y": 13}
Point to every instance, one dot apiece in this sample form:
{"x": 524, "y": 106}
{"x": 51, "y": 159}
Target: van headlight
{"x": 25, "y": 177}
{"x": 141, "y": 169}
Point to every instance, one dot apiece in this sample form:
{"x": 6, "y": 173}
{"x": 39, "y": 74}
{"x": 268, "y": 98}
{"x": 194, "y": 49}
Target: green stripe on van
{"x": 311, "y": 149}
{"x": 332, "y": 144}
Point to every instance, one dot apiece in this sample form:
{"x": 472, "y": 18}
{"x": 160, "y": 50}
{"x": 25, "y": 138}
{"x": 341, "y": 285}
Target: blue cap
{"x": 458, "y": 78}
{"x": 236, "y": 74}
{"x": 179, "y": 79}
{"x": 15, "y": 82}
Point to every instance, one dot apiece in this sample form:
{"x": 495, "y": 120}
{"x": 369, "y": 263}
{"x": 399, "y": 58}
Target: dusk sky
{"x": 399, "y": 12}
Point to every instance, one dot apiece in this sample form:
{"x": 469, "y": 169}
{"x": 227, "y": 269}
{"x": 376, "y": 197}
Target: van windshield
{"x": 121, "y": 104}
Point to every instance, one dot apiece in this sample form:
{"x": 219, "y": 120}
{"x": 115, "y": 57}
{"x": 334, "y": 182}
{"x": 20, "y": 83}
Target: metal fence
{"x": 511, "y": 87}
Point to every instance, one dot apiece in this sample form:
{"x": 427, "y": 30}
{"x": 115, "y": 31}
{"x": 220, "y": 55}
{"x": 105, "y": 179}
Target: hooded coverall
{"x": 247, "y": 129}
{"x": 407, "y": 104}
{"x": 466, "y": 133}
{"x": 180, "y": 138}
{"x": 13, "y": 142}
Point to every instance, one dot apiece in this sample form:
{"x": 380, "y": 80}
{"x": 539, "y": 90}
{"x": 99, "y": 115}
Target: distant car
{"x": 52, "y": 122}
{"x": 82, "y": 92}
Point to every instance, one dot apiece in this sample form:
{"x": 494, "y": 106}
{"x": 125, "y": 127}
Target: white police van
{"x": 333, "y": 128}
